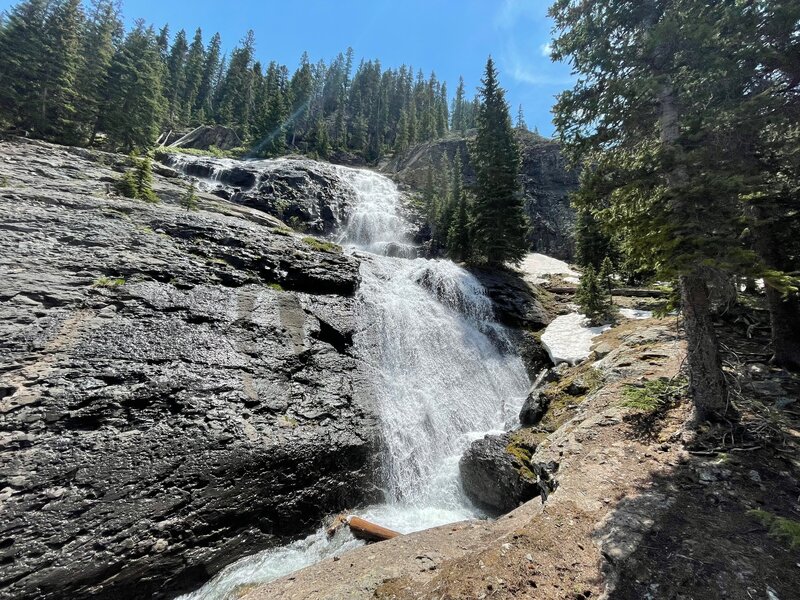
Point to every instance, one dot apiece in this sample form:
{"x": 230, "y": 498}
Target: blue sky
{"x": 450, "y": 37}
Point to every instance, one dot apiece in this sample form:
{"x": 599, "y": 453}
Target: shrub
{"x": 189, "y": 199}
{"x": 137, "y": 183}
{"x": 653, "y": 395}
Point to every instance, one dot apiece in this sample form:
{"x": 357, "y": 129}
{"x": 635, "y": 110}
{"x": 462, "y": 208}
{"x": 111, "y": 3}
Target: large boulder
{"x": 303, "y": 193}
{"x": 496, "y": 474}
{"x": 178, "y": 387}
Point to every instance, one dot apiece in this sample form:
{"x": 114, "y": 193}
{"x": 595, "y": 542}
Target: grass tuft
{"x": 652, "y": 395}
{"x": 781, "y": 528}
{"x": 323, "y": 246}
{"x": 108, "y": 282}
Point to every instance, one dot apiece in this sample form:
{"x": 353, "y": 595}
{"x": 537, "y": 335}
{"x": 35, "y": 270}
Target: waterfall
{"x": 442, "y": 372}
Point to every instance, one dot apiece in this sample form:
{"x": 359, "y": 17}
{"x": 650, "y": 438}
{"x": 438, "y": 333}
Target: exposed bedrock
{"x": 177, "y": 389}
{"x": 307, "y": 194}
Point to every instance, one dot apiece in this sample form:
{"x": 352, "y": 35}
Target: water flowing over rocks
{"x": 307, "y": 194}
{"x": 178, "y": 388}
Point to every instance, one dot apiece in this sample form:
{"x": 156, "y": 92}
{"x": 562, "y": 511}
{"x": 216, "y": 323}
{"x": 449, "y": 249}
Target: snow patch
{"x": 569, "y": 338}
{"x": 536, "y": 266}
{"x": 632, "y": 313}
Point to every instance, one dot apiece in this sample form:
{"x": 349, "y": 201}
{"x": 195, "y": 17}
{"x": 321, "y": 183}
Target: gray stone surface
{"x": 492, "y": 477}
{"x": 155, "y": 430}
{"x": 307, "y": 194}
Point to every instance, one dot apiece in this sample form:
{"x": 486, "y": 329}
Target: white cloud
{"x": 546, "y": 49}
{"x": 512, "y": 11}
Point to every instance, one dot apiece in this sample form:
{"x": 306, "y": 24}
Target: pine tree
{"x": 137, "y": 183}
{"x": 193, "y": 77}
{"x": 58, "y": 95}
{"x": 458, "y": 234}
{"x": 645, "y": 115}
{"x": 593, "y": 299}
{"x": 499, "y": 223}
{"x": 203, "y": 103}
{"x": 103, "y": 34}
{"x": 521, "y": 125}
{"x": 235, "y": 107}
{"x": 606, "y": 275}
{"x": 175, "y": 84}
{"x": 136, "y": 102}
{"x": 459, "y": 122}
{"x": 189, "y": 200}
{"x": 23, "y": 49}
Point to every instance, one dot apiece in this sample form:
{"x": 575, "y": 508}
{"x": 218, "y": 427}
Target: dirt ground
{"x": 647, "y": 507}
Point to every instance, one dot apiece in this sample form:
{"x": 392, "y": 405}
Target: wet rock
{"x": 534, "y": 408}
{"x": 178, "y": 388}
{"x": 493, "y": 477}
{"x": 303, "y": 193}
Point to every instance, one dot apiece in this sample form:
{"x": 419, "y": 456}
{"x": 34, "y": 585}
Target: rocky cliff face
{"x": 307, "y": 194}
{"x": 545, "y": 178}
{"x": 177, "y": 388}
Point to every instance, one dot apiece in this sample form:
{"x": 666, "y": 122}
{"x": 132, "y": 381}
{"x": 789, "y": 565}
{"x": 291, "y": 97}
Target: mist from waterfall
{"x": 442, "y": 374}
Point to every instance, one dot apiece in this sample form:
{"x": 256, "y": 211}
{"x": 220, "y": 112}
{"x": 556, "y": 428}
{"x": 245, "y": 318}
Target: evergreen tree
{"x": 195, "y": 61}
{"x": 189, "y": 200}
{"x": 24, "y": 52}
{"x": 58, "y": 94}
{"x": 606, "y": 275}
{"x": 203, "y": 103}
{"x": 459, "y": 122}
{"x": 645, "y": 113}
{"x": 458, "y": 234}
{"x": 103, "y": 34}
{"x": 499, "y": 223}
{"x": 135, "y": 103}
{"x": 175, "y": 85}
{"x": 137, "y": 183}
{"x": 592, "y": 297}
{"x": 236, "y": 97}
{"x": 521, "y": 125}
{"x": 300, "y": 88}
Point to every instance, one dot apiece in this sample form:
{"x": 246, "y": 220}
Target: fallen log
{"x": 631, "y": 292}
{"x": 362, "y": 529}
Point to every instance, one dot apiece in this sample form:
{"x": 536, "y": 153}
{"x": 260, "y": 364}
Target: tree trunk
{"x": 785, "y": 319}
{"x": 706, "y": 380}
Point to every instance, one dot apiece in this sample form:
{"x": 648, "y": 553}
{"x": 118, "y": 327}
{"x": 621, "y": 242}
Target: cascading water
{"x": 428, "y": 337}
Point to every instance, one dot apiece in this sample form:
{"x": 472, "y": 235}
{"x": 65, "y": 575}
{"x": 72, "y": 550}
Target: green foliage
{"x": 275, "y": 286}
{"x": 323, "y": 246}
{"x": 606, "y": 275}
{"x": 108, "y": 282}
{"x": 593, "y": 298}
{"x": 653, "y": 395}
{"x": 498, "y": 222}
{"x": 137, "y": 183}
{"x": 189, "y": 200}
{"x": 786, "y": 530}
{"x": 78, "y": 77}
